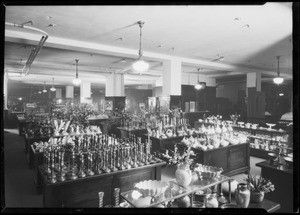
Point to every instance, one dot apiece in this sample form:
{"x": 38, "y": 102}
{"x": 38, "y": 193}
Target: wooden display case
{"x": 282, "y": 178}
{"x": 83, "y": 192}
{"x": 234, "y": 159}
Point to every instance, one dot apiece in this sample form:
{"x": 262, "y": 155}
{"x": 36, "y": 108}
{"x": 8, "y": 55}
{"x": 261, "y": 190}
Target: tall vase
{"x": 242, "y": 195}
{"x": 257, "y": 197}
{"x": 183, "y": 175}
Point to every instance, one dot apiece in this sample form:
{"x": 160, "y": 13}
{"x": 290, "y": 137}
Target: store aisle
{"x": 19, "y": 187}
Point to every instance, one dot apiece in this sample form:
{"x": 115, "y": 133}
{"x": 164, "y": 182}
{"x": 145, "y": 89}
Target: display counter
{"x": 282, "y": 178}
{"x": 233, "y": 159}
{"x": 260, "y": 139}
{"x": 174, "y": 191}
{"x": 83, "y": 192}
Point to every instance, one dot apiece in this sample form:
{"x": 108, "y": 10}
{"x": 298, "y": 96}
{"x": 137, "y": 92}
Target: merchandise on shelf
{"x": 72, "y": 157}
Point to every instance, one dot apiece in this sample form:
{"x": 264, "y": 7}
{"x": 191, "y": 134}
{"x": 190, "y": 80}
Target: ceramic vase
{"x": 183, "y": 175}
{"x": 257, "y": 197}
{"x": 242, "y": 195}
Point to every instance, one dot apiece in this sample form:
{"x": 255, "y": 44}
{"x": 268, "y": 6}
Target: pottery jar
{"x": 183, "y": 175}
{"x": 211, "y": 201}
{"x": 242, "y": 195}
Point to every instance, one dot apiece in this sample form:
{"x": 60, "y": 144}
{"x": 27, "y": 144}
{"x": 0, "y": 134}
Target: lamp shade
{"x": 198, "y": 86}
{"x": 278, "y": 80}
{"x": 52, "y": 89}
{"x": 140, "y": 66}
{"x": 76, "y": 81}
{"x": 44, "y": 91}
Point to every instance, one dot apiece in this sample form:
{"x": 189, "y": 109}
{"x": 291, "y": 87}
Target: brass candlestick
{"x": 98, "y": 162}
{"x": 61, "y": 175}
{"x": 71, "y": 174}
{"x": 52, "y": 174}
{"x": 114, "y": 168}
{"x": 135, "y": 165}
{"x": 105, "y": 166}
{"x": 128, "y": 158}
{"x": 81, "y": 173}
{"x": 47, "y": 169}
{"x": 146, "y": 152}
{"x": 89, "y": 171}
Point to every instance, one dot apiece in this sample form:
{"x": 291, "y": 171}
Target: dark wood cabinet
{"x": 83, "y": 192}
{"x": 234, "y": 159}
{"x": 282, "y": 178}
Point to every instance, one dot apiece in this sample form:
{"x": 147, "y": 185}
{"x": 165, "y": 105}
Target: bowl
{"x": 151, "y": 187}
{"x": 208, "y": 172}
{"x": 289, "y": 161}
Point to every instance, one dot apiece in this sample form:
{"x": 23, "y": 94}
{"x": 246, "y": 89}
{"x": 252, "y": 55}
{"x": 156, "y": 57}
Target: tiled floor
{"x": 20, "y": 191}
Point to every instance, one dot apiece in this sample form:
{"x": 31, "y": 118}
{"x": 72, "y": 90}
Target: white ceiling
{"x": 248, "y": 37}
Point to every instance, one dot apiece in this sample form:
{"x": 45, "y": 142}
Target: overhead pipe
{"x": 34, "y": 51}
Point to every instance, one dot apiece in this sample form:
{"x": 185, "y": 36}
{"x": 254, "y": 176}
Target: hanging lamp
{"x": 44, "y": 90}
{"x": 76, "y": 81}
{"x": 198, "y": 86}
{"x": 52, "y": 88}
{"x": 140, "y": 65}
{"x": 278, "y": 80}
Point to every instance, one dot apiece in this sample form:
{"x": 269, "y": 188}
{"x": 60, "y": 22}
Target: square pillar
{"x": 172, "y": 78}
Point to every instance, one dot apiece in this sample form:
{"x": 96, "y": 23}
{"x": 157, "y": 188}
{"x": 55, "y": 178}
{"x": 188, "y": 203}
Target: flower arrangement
{"x": 234, "y": 117}
{"x": 259, "y": 184}
{"x": 177, "y": 158}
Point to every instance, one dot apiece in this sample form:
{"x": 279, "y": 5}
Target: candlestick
{"x": 101, "y": 195}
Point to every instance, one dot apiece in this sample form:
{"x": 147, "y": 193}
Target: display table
{"x": 83, "y": 192}
{"x": 174, "y": 191}
{"x": 282, "y": 178}
{"x": 234, "y": 159}
{"x": 160, "y": 144}
{"x": 257, "y": 134}
{"x": 125, "y": 132}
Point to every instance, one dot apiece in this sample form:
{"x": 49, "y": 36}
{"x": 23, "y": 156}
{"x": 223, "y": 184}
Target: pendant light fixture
{"x": 278, "y": 80}
{"x": 44, "y": 90}
{"x": 198, "y": 86}
{"x": 52, "y": 88}
{"x": 140, "y": 65}
{"x": 76, "y": 81}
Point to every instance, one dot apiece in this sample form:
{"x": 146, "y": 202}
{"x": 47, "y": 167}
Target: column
{"x": 256, "y": 98}
{"x": 5, "y": 81}
{"x": 114, "y": 92}
{"x": 70, "y": 92}
{"x": 171, "y": 88}
{"x": 85, "y": 92}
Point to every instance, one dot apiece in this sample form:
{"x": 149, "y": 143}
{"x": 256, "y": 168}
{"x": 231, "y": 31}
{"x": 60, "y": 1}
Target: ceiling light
{"x": 20, "y": 98}
{"x": 76, "y": 81}
{"x": 198, "y": 85}
{"x": 40, "y": 92}
{"x": 278, "y": 80}
{"x": 140, "y": 65}
{"x": 44, "y": 90}
{"x": 281, "y": 94}
{"x": 52, "y": 88}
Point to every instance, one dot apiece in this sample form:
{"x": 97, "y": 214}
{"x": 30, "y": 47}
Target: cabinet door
{"x": 237, "y": 157}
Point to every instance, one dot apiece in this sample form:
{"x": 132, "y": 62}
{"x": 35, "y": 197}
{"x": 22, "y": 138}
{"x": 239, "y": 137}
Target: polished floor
{"x": 19, "y": 188}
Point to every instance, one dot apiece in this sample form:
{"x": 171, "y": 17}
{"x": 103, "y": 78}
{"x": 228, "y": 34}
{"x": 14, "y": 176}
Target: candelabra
{"x": 61, "y": 174}
{"x": 71, "y": 174}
